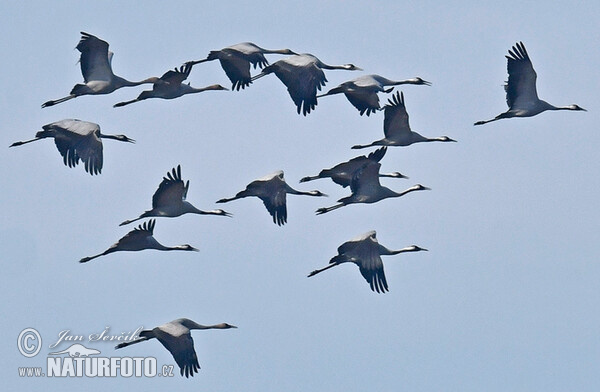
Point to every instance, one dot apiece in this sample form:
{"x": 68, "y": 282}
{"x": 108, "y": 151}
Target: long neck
{"x": 409, "y": 190}
{"x": 293, "y": 191}
{"x": 388, "y": 252}
{"x": 121, "y": 82}
{"x": 193, "y": 325}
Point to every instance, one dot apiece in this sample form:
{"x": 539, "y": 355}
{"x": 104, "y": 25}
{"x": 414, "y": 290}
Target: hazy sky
{"x": 507, "y": 297}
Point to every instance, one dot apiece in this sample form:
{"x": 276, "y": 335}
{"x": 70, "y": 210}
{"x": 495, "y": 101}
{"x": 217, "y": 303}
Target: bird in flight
{"x": 169, "y": 199}
{"x": 98, "y": 76}
{"x": 272, "y": 190}
{"x": 236, "y": 60}
{"x": 77, "y": 140}
{"x": 175, "y": 336}
{"x": 362, "y": 91}
{"x": 365, "y": 251}
{"x": 303, "y": 75}
{"x": 396, "y": 129}
{"x": 171, "y": 86}
{"x": 521, "y": 93}
{"x": 366, "y": 188}
{"x": 342, "y": 173}
{"x": 137, "y": 239}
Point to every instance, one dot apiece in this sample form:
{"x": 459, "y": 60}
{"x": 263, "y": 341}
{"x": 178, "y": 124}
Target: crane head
{"x": 576, "y": 107}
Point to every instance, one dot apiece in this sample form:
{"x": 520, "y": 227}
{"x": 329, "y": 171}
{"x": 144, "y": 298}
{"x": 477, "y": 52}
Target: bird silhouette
{"x": 521, "y": 93}
{"x": 169, "y": 199}
{"x": 362, "y": 91}
{"x": 97, "y": 72}
{"x": 171, "y": 86}
{"x": 137, "y": 239}
{"x": 366, "y": 188}
{"x": 272, "y": 190}
{"x": 365, "y": 251}
{"x": 303, "y": 75}
{"x": 396, "y": 129}
{"x": 175, "y": 336}
{"x": 236, "y": 59}
{"x": 342, "y": 173}
{"x": 77, "y": 140}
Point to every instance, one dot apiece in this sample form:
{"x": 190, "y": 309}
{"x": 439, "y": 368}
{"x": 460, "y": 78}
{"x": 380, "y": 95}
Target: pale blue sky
{"x": 507, "y": 297}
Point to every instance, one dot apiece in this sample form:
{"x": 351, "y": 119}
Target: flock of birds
{"x": 303, "y": 75}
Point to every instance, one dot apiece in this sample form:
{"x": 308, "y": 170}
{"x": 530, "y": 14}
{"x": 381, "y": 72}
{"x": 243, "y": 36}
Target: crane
{"x": 97, "y": 72}
{"x": 175, "y": 336}
{"x": 75, "y": 140}
{"x": 303, "y": 75}
{"x": 342, "y": 173}
{"x": 171, "y": 86}
{"x": 139, "y": 238}
{"x": 365, "y": 251}
{"x": 396, "y": 129}
{"x": 236, "y": 59}
{"x": 169, "y": 199}
{"x": 521, "y": 93}
{"x": 362, "y": 91}
{"x": 366, "y": 188}
{"x": 272, "y": 190}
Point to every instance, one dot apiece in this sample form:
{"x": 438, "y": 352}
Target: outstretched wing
{"x": 370, "y": 264}
{"x": 395, "y": 120}
{"x": 276, "y": 205}
{"x": 95, "y": 58}
{"x": 172, "y": 79}
{"x": 171, "y": 190}
{"x": 182, "y": 349}
{"x": 366, "y": 101}
{"x": 77, "y": 140}
{"x": 520, "y": 87}
{"x": 366, "y": 179}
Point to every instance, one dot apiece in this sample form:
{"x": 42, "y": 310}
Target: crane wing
{"x": 182, "y": 349}
{"x": 236, "y": 67}
{"x": 366, "y": 179}
{"x": 395, "y": 120}
{"x": 77, "y": 140}
{"x": 94, "y": 59}
{"x": 520, "y": 87}
{"x": 171, "y": 190}
{"x": 364, "y": 252}
{"x": 276, "y": 205}
{"x": 364, "y": 100}
{"x": 172, "y": 79}
{"x": 302, "y": 84}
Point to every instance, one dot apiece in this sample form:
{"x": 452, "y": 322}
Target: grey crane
{"x": 77, "y": 140}
{"x": 169, "y": 199}
{"x": 342, "y": 173}
{"x": 521, "y": 93}
{"x": 366, "y": 188}
{"x": 362, "y": 91}
{"x": 303, "y": 75}
{"x": 236, "y": 59}
{"x": 396, "y": 129}
{"x": 272, "y": 190}
{"x": 137, "y": 239}
{"x": 171, "y": 86}
{"x": 97, "y": 72}
{"x": 175, "y": 336}
{"x": 365, "y": 251}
